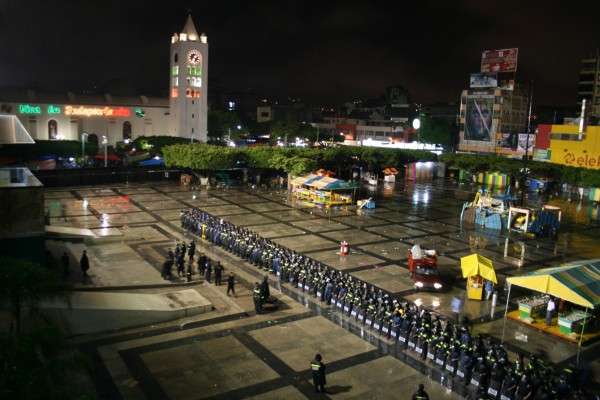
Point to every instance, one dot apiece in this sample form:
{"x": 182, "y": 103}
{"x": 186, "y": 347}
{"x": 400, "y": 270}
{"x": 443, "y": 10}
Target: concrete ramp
{"x": 53, "y": 231}
{"x": 93, "y": 312}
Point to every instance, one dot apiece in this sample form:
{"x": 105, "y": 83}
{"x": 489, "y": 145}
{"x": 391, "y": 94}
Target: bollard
{"x": 494, "y": 299}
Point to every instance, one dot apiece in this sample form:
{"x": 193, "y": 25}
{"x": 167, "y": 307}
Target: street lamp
{"x": 416, "y": 124}
{"x": 84, "y": 136}
{"x": 105, "y": 143}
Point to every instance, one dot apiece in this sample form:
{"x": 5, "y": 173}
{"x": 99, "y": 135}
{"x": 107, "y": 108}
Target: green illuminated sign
{"x": 29, "y": 109}
{"x": 53, "y": 109}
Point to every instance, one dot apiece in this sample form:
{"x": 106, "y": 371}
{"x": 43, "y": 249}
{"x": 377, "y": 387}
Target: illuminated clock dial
{"x": 194, "y": 57}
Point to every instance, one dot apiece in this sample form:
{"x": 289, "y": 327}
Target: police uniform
{"x": 318, "y": 372}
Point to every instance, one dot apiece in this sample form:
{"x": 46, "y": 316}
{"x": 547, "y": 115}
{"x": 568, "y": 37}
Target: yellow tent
{"x": 476, "y": 264}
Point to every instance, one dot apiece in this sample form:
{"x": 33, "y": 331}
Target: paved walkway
{"x": 231, "y": 353}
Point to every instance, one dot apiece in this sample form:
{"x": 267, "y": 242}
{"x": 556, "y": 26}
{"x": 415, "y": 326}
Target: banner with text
{"x": 504, "y": 60}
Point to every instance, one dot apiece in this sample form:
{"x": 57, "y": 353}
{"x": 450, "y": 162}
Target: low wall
{"x": 93, "y": 312}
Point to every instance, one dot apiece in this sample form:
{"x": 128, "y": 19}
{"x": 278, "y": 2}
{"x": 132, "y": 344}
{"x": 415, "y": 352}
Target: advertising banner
{"x": 488, "y": 80}
{"x": 517, "y": 142}
{"x": 479, "y": 117}
{"x": 504, "y": 60}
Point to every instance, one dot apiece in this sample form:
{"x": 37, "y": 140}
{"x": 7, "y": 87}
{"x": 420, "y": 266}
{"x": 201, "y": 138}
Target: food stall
{"x": 476, "y": 268}
{"x": 577, "y": 284}
{"x": 323, "y": 191}
{"x": 571, "y": 321}
{"x": 531, "y": 307}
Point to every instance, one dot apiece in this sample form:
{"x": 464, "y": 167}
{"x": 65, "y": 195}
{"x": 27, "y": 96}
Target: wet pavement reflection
{"x": 145, "y": 220}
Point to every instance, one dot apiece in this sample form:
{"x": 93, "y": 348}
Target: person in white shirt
{"x": 550, "y": 311}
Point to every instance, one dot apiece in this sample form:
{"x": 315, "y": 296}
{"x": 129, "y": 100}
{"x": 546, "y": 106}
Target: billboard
{"x": 504, "y": 60}
{"x": 479, "y": 116}
{"x": 484, "y": 80}
{"x": 517, "y": 142}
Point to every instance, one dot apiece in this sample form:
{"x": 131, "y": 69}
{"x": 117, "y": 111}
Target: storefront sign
{"x": 96, "y": 111}
{"x": 31, "y": 109}
{"x": 582, "y": 161}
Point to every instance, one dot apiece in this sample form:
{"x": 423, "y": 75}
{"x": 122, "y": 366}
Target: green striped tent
{"x": 577, "y": 282}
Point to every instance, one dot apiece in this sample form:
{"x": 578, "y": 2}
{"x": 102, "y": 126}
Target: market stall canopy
{"x": 322, "y": 182}
{"x": 153, "y": 161}
{"x": 304, "y": 180}
{"x": 476, "y": 264}
{"x": 577, "y": 282}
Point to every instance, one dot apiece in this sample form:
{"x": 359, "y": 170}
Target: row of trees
{"x": 298, "y": 161}
{"x": 179, "y": 152}
{"x": 295, "y": 161}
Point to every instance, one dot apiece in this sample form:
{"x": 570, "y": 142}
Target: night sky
{"x": 325, "y": 52}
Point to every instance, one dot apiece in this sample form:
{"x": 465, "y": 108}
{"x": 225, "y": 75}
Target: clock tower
{"x": 189, "y": 78}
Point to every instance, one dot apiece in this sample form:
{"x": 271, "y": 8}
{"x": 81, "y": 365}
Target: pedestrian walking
{"x": 550, "y": 311}
{"x": 489, "y": 288}
{"x": 231, "y": 284}
{"x": 202, "y": 264}
{"x": 208, "y": 270}
{"x": 218, "y": 273}
{"x": 84, "y": 263}
{"x": 318, "y": 371}
{"x": 257, "y": 297}
{"x": 456, "y": 306}
{"x": 192, "y": 250}
{"x": 188, "y": 270}
{"x": 65, "y": 263}
{"x": 420, "y": 394}
{"x": 180, "y": 263}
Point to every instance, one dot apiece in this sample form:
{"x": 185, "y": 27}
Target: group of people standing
{"x": 84, "y": 264}
{"x": 447, "y": 344}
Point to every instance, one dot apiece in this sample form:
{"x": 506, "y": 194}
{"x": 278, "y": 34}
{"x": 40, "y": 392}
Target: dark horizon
{"x": 326, "y": 55}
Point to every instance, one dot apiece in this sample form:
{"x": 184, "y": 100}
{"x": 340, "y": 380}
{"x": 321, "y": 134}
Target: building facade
{"x": 589, "y": 87}
{"x": 491, "y": 120}
{"x": 98, "y": 117}
{"x": 569, "y": 145}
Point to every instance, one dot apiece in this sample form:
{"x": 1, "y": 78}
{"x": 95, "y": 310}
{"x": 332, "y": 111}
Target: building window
{"x": 52, "y": 130}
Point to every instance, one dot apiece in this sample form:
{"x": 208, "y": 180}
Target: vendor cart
{"x": 475, "y": 287}
{"x": 476, "y": 268}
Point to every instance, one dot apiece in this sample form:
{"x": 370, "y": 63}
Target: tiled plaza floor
{"x": 230, "y": 353}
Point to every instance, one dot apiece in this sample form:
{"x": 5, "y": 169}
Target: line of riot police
{"x": 482, "y": 365}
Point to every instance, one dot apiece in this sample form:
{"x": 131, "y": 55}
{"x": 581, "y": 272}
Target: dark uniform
{"x": 318, "y": 372}
{"x": 420, "y": 394}
{"x": 257, "y": 296}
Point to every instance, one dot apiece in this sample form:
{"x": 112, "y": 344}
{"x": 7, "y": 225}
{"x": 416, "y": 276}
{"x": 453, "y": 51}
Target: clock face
{"x": 194, "y": 57}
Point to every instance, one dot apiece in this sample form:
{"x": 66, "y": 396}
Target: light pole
{"x": 105, "y": 143}
{"x": 416, "y": 124}
{"x": 84, "y": 136}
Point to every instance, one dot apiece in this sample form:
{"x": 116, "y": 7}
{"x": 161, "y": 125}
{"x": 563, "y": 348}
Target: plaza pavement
{"x": 230, "y": 353}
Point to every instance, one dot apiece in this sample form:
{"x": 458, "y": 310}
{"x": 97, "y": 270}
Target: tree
{"x": 435, "y": 131}
{"x": 222, "y": 124}
{"x": 24, "y": 284}
{"x": 32, "y": 359}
